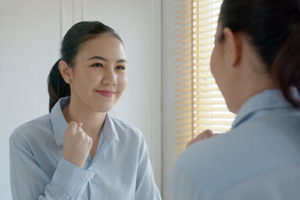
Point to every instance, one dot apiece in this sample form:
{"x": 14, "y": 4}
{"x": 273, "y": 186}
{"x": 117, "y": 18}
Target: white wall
{"x": 28, "y": 46}
{"x": 30, "y": 36}
{"x": 168, "y": 78}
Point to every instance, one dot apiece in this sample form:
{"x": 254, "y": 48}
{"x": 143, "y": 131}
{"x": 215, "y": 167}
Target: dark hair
{"x": 273, "y": 27}
{"x": 73, "y": 39}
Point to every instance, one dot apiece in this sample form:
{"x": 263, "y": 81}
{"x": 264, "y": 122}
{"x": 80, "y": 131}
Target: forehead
{"x": 104, "y": 45}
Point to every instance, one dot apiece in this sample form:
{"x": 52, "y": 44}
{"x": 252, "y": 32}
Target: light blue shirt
{"x": 258, "y": 159}
{"x": 120, "y": 170}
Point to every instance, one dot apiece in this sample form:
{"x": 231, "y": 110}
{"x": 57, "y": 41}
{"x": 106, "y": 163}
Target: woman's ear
{"x": 65, "y": 71}
{"x": 233, "y": 47}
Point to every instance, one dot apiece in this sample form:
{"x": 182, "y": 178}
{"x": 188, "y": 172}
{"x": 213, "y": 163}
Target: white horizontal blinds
{"x": 209, "y": 107}
{"x": 198, "y": 102}
{"x": 183, "y": 73}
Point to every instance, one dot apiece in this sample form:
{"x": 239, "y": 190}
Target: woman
{"x": 78, "y": 151}
{"x": 256, "y": 64}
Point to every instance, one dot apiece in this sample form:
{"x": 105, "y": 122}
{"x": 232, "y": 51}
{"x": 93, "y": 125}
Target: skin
{"x": 204, "y": 135}
{"x": 238, "y": 70}
{"x": 100, "y": 65}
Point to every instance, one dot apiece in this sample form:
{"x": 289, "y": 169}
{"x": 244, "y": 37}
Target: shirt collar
{"x": 60, "y": 125}
{"x": 268, "y": 99}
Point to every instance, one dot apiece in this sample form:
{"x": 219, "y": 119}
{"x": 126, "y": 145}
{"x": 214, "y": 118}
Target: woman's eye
{"x": 120, "y": 67}
{"x": 97, "y": 65}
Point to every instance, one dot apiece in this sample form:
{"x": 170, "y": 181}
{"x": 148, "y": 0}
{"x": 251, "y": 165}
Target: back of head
{"x": 273, "y": 28}
{"x": 72, "y": 41}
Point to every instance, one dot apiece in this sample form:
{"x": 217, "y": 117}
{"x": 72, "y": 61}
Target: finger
{"x": 79, "y": 129}
{"x": 90, "y": 140}
{"x": 81, "y": 132}
{"x": 191, "y": 142}
{"x": 205, "y": 134}
{"x": 197, "y": 139}
{"x": 80, "y": 124}
{"x": 209, "y": 134}
{"x": 72, "y": 126}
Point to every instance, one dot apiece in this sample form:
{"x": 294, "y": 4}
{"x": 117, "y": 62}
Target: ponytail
{"x": 286, "y": 67}
{"x": 57, "y": 87}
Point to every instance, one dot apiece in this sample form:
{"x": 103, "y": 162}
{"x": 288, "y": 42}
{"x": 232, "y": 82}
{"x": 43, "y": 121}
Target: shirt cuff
{"x": 70, "y": 177}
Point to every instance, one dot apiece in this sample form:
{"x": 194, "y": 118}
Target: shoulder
{"x": 197, "y": 169}
{"x": 202, "y": 155}
{"x": 131, "y": 138}
{"x": 269, "y": 129}
{"x": 31, "y": 131}
{"x": 252, "y": 144}
{"x": 213, "y": 164}
{"x": 275, "y": 118}
{"x": 126, "y": 129}
{"x": 242, "y": 153}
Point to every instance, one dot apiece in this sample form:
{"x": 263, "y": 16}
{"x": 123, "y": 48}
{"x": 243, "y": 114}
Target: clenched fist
{"x": 77, "y": 144}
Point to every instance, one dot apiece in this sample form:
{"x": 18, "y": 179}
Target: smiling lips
{"x": 106, "y": 93}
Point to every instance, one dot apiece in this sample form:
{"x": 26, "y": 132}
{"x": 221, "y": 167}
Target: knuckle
{"x": 80, "y": 134}
{"x": 72, "y": 123}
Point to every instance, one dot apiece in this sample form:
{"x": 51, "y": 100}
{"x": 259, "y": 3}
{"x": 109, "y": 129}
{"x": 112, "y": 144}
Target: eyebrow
{"x": 104, "y": 59}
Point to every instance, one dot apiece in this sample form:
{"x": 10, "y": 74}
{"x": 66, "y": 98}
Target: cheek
{"x": 217, "y": 69}
{"x": 213, "y": 63}
{"x": 87, "y": 81}
{"x": 122, "y": 82}
{"x": 217, "y": 62}
{"x": 78, "y": 80}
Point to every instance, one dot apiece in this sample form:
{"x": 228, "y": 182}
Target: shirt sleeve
{"x": 182, "y": 187}
{"x": 29, "y": 181}
{"x": 145, "y": 184}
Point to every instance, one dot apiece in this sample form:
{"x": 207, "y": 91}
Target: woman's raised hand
{"x": 77, "y": 144}
{"x": 204, "y": 135}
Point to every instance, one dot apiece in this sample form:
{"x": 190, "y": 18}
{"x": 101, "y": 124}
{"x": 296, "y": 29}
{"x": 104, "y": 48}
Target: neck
{"x": 92, "y": 121}
{"x": 252, "y": 84}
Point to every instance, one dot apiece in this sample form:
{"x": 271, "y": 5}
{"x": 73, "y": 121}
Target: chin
{"x": 230, "y": 106}
{"x": 232, "y": 110}
{"x": 103, "y": 109}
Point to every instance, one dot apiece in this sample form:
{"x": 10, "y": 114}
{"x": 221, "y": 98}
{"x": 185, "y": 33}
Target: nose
{"x": 109, "y": 77}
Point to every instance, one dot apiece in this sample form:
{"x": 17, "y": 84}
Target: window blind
{"x": 198, "y": 102}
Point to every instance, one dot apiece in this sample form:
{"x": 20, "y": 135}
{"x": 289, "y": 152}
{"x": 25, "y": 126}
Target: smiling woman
{"x": 100, "y": 73}
{"x": 78, "y": 151}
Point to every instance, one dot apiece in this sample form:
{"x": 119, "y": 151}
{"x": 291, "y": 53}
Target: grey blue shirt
{"x": 120, "y": 170}
{"x": 259, "y": 158}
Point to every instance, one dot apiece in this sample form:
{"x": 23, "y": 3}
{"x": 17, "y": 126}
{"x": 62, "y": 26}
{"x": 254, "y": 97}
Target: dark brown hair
{"x": 73, "y": 39}
{"x": 274, "y": 30}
